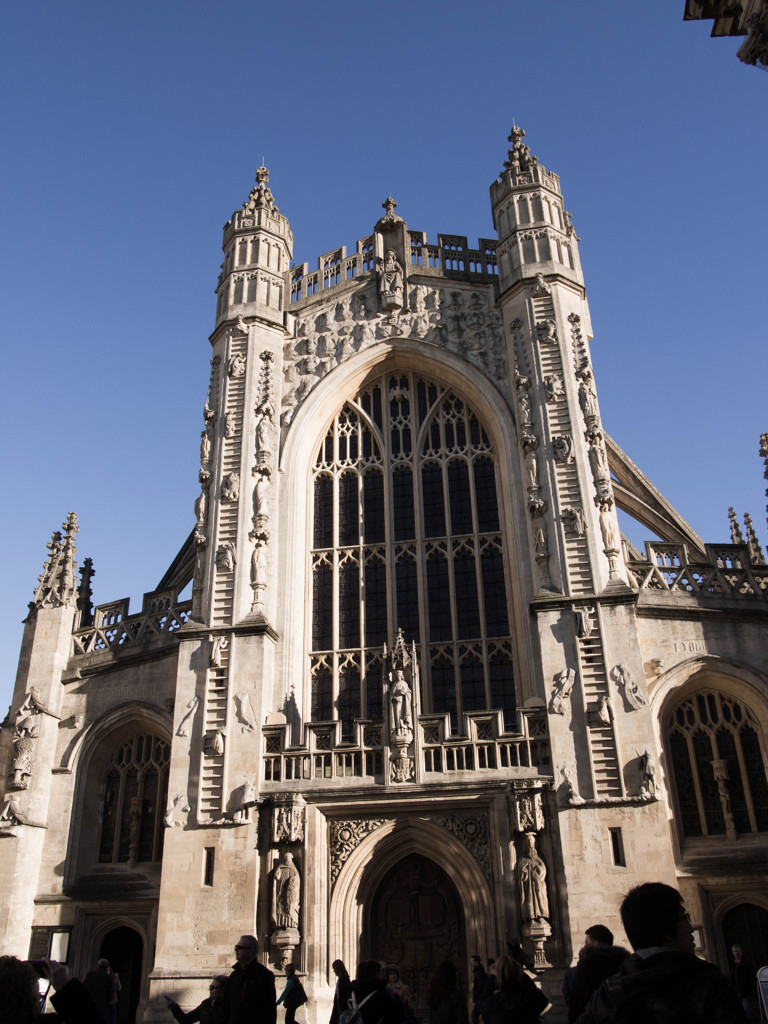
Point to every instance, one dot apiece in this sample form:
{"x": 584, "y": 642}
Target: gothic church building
{"x": 423, "y": 697}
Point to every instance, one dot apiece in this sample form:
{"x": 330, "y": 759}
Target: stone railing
{"x": 450, "y": 255}
{"x": 113, "y": 629}
{"x": 729, "y": 572}
{"x": 484, "y": 747}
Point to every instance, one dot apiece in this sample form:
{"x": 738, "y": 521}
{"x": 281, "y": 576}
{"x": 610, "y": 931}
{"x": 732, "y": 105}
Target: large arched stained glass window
{"x": 713, "y": 744}
{"x": 406, "y": 534}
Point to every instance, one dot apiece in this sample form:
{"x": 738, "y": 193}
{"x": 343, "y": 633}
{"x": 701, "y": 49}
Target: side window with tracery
{"x": 406, "y": 534}
{"x": 135, "y": 791}
{"x": 715, "y": 749}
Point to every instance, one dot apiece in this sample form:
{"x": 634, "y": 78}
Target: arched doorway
{"x": 746, "y": 925}
{"x": 416, "y": 921}
{"x": 124, "y": 949}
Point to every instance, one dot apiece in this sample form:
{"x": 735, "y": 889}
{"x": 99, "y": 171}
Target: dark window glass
{"x": 373, "y": 507}
{"x": 322, "y": 617}
{"x": 323, "y": 525}
{"x": 109, "y": 816}
{"x": 349, "y": 515}
{"x": 402, "y": 492}
{"x": 713, "y": 809}
{"x": 502, "y": 675}
{"x": 684, "y": 785}
{"x": 375, "y": 602}
{"x": 472, "y": 683}
{"x": 485, "y": 494}
{"x": 460, "y": 498}
{"x": 466, "y": 595}
{"x": 349, "y": 604}
{"x": 349, "y": 700}
{"x": 753, "y": 760}
{"x": 726, "y": 748}
{"x": 444, "y": 688}
{"x": 321, "y": 694}
{"x": 494, "y": 594}
{"x": 439, "y": 597}
{"x": 135, "y": 791}
{"x": 407, "y": 597}
{"x": 373, "y": 687}
{"x": 433, "y": 500}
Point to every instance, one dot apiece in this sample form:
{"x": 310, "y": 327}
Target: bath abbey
{"x": 406, "y": 692}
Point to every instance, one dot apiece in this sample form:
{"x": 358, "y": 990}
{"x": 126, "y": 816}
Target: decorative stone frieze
{"x": 562, "y": 691}
{"x": 288, "y": 813}
{"x": 472, "y": 832}
{"x": 345, "y": 837}
{"x": 630, "y": 691}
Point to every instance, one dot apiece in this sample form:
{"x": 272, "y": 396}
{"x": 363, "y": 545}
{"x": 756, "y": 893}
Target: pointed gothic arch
{"x": 372, "y": 861}
{"x": 303, "y": 440}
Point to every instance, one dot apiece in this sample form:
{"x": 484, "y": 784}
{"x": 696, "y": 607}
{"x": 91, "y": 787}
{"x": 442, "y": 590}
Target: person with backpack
{"x": 370, "y": 1003}
{"x": 293, "y": 995}
{"x": 664, "y": 982}
{"x": 598, "y": 960}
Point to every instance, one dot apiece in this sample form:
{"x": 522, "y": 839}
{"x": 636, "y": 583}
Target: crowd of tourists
{"x": 662, "y": 982}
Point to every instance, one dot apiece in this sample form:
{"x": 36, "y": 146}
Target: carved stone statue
{"x": 546, "y": 331}
{"x": 184, "y": 724}
{"x": 647, "y": 775}
{"x": 225, "y": 557}
{"x": 230, "y": 487}
{"x": 631, "y": 691}
{"x": 265, "y": 427}
{"x": 244, "y": 711}
{"x": 400, "y": 706}
{"x": 286, "y": 889}
{"x": 532, "y": 875}
{"x": 205, "y": 447}
{"x": 555, "y": 388}
{"x": 563, "y": 685}
{"x": 390, "y": 281}
{"x": 588, "y": 400}
{"x": 236, "y": 366}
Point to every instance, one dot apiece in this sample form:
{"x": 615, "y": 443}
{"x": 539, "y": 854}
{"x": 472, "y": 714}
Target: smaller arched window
{"x": 716, "y": 753}
{"x": 135, "y": 790}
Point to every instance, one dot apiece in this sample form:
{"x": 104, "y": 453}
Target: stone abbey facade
{"x": 424, "y": 696}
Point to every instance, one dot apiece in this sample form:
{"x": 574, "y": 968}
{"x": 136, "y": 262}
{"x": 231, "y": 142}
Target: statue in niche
{"x": 261, "y": 493}
{"x": 218, "y": 645}
{"x": 573, "y": 518}
{"x": 546, "y": 331}
{"x": 229, "y": 424}
{"x": 598, "y": 461}
{"x": 217, "y": 743}
{"x": 225, "y": 558}
{"x": 230, "y": 487}
{"x": 522, "y": 384}
{"x": 583, "y": 623}
{"x": 400, "y": 706}
{"x": 555, "y": 388}
{"x": 532, "y": 874}
{"x": 286, "y": 887}
{"x": 541, "y": 288}
{"x": 236, "y": 365}
{"x": 390, "y": 281}
{"x": 25, "y": 731}
{"x": 608, "y": 528}
{"x": 647, "y": 775}
{"x": 201, "y": 507}
{"x": 420, "y": 316}
{"x": 563, "y": 685}
{"x": 205, "y": 447}
{"x": 184, "y": 724}
{"x": 265, "y": 427}
{"x": 530, "y": 443}
{"x": 588, "y": 399}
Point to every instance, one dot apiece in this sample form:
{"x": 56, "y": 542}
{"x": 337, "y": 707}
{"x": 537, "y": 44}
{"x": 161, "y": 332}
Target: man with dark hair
{"x": 598, "y": 960}
{"x": 479, "y": 979}
{"x": 251, "y": 989}
{"x": 664, "y": 982}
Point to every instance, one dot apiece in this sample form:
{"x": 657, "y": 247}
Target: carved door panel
{"x": 417, "y": 922}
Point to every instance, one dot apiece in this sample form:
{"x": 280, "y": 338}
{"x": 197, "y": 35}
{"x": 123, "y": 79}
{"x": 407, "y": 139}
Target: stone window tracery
{"x": 406, "y": 533}
{"x": 716, "y": 755}
{"x": 135, "y": 793}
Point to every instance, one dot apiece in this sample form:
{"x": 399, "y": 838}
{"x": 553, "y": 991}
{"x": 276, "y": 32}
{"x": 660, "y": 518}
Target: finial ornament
{"x": 736, "y": 534}
{"x": 261, "y": 198}
{"x": 389, "y": 205}
{"x": 519, "y": 159}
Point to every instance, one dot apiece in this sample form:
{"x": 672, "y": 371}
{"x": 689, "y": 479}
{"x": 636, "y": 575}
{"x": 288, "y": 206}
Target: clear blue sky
{"x": 132, "y": 131}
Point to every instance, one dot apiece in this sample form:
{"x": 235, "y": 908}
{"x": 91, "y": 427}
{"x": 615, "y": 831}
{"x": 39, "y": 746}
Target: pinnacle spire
{"x": 755, "y": 551}
{"x": 736, "y": 535}
{"x": 519, "y": 159}
{"x": 57, "y": 584}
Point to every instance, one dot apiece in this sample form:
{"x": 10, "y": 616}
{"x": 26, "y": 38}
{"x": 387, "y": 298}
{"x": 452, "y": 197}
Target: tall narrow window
{"x": 406, "y": 534}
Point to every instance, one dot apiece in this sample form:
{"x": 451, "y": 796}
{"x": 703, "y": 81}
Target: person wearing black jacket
{"x": 598, "y": 960}
{"x": 517, "y": 1000}
{"x": 251, "y": 988}
{"x": 370, "y": 991}
{"x": 342, "y": 991}
{"x": 664, "y": 979}
{"x": 20, "y": 997}
{"x": 213, "y": 1010}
